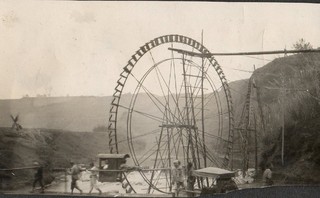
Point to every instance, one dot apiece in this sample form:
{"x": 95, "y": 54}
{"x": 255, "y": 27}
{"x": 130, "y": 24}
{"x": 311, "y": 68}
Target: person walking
{"x": 74, "y": 172}
{"x": 38, "y": 177}
{"x": 94, "y": 178}
{"x": 190, "y": 179}
{"x": 177, "y": 176}
{"x": 267, "y": 176}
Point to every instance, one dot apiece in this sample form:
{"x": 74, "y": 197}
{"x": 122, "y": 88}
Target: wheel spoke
{"x": 147, "y": 115}
{"x": 142, "y": 135}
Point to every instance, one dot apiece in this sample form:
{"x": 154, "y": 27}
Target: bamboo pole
{"x": 208, "y": 55}
{"x": 282, "y": 120}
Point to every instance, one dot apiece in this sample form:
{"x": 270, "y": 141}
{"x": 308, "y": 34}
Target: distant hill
{"x": 78, "y": 113}
{"x": 66, "y": 113}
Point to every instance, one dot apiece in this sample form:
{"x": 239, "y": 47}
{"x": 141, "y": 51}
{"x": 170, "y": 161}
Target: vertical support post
{"x": 202, "y": 111}
{"x": 282, "y": 107}
{"x": 255, "y": 129}
{"x": 169, "y": 156}
{"x": 66, "y": 182}
{"x": 245, "y": 152}
{"x": 283, "y": 122}
{"x": 195, "y": 160}
{"x": 256, "y": 143}
{"x": 155, "y": 162}
{"x": 187, "y": 109}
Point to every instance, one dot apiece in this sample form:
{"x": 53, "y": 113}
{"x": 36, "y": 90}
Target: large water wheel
{"x": 179, "y": 108}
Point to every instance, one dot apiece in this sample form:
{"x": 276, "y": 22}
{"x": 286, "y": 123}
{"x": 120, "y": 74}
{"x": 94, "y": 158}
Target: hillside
{"x": 51, "y": 148}
{"x": 299, "y": 76}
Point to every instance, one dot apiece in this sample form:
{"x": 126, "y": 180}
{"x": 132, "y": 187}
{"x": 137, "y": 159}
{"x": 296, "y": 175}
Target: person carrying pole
{"x": 190, "y": 179}
{"x": 74, "y": 172}
{"x": 177, "y": 176}
{"x": 93, "y": 178}
{"x": 38, "y": 177}
{"x": 267, "y": 175}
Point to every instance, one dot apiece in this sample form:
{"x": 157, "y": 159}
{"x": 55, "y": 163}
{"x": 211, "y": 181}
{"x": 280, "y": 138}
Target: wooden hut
{"x": 109, "y": 164}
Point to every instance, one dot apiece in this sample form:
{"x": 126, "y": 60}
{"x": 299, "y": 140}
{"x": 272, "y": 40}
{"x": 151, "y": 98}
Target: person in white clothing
{"x": 106, "y": 165}
{"x": 94, "y": 178}
{"x": 177, "y": 176}
{"x": 267, "y": 175}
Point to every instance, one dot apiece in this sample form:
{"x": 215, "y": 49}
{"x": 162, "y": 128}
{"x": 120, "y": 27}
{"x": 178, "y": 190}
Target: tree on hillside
{"x": 302, "y": 44}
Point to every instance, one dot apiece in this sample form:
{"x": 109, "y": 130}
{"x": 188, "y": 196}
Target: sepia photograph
{"x": 159, "y": 99}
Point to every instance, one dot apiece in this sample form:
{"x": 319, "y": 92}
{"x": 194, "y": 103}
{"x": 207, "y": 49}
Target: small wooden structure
{"x": 214, "y": 172}
{"x": 15, "y": 124}
{"x": 109, "y": 166}
{"x": 222, "y": 177}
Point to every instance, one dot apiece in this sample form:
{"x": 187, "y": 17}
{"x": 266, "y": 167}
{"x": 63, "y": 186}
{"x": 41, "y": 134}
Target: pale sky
{"x": 80, "y": 48}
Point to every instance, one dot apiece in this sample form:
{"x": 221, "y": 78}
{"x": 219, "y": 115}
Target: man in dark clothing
{"x": 38, "y": 177}
{"x": 74, "y": 172}
{"x": 190, "y": 179}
